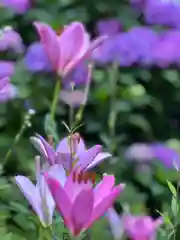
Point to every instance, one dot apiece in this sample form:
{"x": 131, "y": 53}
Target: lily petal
{"x": 50, "y": 153}
{"x": 88, "y": 156}
{"x": 102, "y": 206}
{"x": 61, "y": 198}
{"x": 98, "y": 159}
{"x": 82, "y": 209}
{"x": 104, "y": 188}
{"x": 31, "y": 193}
{"x": 50, "y": 42}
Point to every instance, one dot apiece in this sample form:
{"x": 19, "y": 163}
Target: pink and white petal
{"x": 98, "y": 159}
{"x": 87, "y": 157}
{"x": 96, "y": 43}
{"x": 50, "y": 41}
{"x": 49, "y": 150}
{"x": 81, "y": 210}
{"x": 47, "y": 200}
{"x": 80, "y": 54}
{"x": 104, "y": 188}
{"x": 71, "y": 41}
{"x": 73, "y": 188}
{"x": 115, "y": 223}
{"x": 57, "y": 171}
{"x": 39, "y": 146}
{"x": 63, "y": 146}
{"x": 103, "y": 205}
{"x": 61, "y": 199}
{"x": 31, "y": 193}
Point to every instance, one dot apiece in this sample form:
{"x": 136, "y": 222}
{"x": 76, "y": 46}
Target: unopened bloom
{"x": 80, "y": 204}
{"x": 10, "y": 39}
{"x": 141, "y": 227}
{"x": 7, "y": 90}
{"x": 38, "y": 195}
{"x": 36, "y": 58}
{"x": 71, "y": 152}
{"x": 68, "y": 49}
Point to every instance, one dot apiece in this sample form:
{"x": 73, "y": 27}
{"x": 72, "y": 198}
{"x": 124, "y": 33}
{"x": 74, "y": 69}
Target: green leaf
{"x": 174, "y": 206}
{"x": 50, "y": 127}
{"x": 172, "y": 188}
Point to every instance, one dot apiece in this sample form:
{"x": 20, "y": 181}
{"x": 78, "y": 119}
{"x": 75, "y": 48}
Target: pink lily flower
{"x": 39, "y": 196}
{"x": 69, "y": 49}
{"x": 75, "y": 155}
{"x": 79, "y": 204}
{"x": 141, "y": 227}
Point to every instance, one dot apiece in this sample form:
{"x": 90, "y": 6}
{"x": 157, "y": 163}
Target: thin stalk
{"x": 113, "y": 77}
{"x": 55, "y": 99}
{"x": 26, "y": 123}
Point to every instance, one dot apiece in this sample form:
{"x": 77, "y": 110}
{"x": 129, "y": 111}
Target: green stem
{"x": 55, "y": 99}
{"x": 24, "y": 126}
{"x": 45, "y": 233}
{"x": 113, "y": 76}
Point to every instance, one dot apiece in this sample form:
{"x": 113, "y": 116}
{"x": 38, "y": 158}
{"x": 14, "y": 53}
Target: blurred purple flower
{"x": 139, "y": 151}
{"x": 36, "y": 58}
{"x": 109, "y": 27}
{"x": 19, "y": 6}
{"x": 78, "y": 76}
{"x": 6, "y": 69}
{"x": 147, "y": 152}
{"x": 128, "y": 48}
{"x": 7, "y": 90}
{"x": 166, "y": 155}
{"x": 141, "y": 227}
{"x": 165, "y": 12}
{"x": 166, "y": 51}
{"x": 10, "y": 39}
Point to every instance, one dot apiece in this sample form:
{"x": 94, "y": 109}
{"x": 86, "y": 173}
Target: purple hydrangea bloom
{"x": 36, "y": 58}
{"x": 165, "y": 12}
{"x": 166, "y": 51}
{"x": 128, "y": 48}
{"x": 109, "y": 27}
{"x": 10, "y": 39}
{"x": 19, "y": 6}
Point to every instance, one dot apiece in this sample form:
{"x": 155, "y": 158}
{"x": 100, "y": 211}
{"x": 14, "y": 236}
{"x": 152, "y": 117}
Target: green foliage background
{"x": 136, "y": 105}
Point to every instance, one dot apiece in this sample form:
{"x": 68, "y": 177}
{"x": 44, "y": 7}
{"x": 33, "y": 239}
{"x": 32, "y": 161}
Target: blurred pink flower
{"x": 69, "y": 49}
{"x": 19, "y": 6}
{"x": 141, "y": 227}
{"x": 79, "y": 204}
{"x": 10, "y": 39}
{"x": 6, "y": 68}
{"x": 7, "y": 90}
{"x": 38, "y": 195}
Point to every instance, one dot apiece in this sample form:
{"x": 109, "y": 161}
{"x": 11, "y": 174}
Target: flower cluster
{"x": 152, "y": 48}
